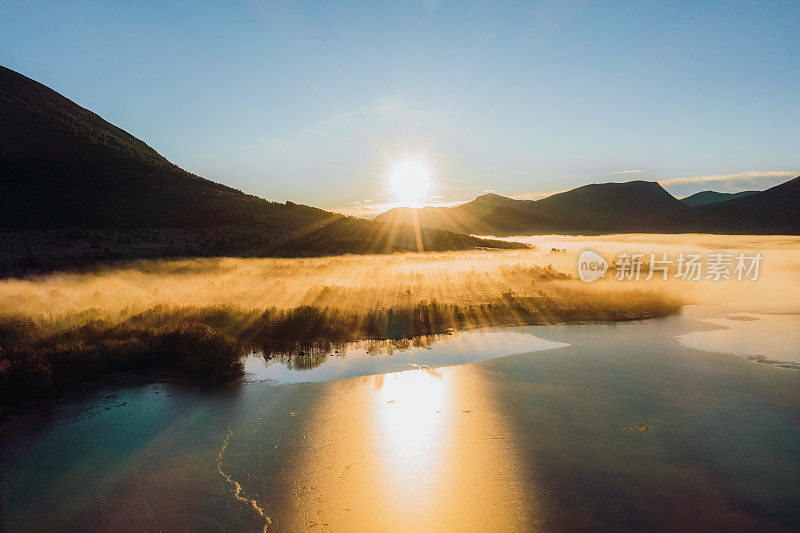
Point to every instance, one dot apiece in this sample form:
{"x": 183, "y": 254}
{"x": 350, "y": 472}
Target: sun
{"x": 410, "y": 180}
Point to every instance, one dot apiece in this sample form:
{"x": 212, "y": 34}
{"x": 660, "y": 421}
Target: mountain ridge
{"x": 628, "y": 207}
{"x": 712, "y": 197}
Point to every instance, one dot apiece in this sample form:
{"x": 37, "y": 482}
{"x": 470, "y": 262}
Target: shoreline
{"x": 274, "y": 348}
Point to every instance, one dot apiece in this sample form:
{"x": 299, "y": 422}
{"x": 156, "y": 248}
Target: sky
{"x": 316, "y": 102}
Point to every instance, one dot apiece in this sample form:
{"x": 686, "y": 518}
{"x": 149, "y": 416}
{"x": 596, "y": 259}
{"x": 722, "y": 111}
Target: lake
{"x": 516, "y": 429}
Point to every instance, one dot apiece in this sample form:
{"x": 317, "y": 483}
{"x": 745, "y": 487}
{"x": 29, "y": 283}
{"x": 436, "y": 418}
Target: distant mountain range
{"x": 62, "y": 166}
{"x": 712, "y": 197}
{"x": 632, "y": 207}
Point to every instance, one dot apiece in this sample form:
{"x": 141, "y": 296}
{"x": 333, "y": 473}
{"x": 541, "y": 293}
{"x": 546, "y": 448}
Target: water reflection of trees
{"x": 305, "y": 355}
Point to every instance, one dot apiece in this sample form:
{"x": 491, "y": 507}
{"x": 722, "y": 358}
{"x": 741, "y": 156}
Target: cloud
{"x": 344, "y": 124}
{"x": 282, "y": 145}
{"x": 354, "y": 209}
{"x": 732, "y": 177}
{"x": 380, "y": 109}
{"x": 626, "y": 172}
{"x": 357, "y": 124}
{"x": 536, "y": 195}
{"x": 359, "y": 209}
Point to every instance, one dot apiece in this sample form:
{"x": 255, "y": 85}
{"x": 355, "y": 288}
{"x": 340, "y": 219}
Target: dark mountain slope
{"x": 774, "y": 211}
{"x": 712, "y": 197}
{"x": 62, "y": 166}
{"x": 597, "y": 208}
{"x": 637, "y": 206}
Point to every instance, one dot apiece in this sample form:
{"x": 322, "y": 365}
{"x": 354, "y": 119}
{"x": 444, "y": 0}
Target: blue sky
{"x": 311, "y": 102}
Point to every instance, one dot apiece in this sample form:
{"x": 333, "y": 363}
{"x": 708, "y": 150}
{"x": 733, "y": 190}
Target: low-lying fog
{"x": 365, "y": 282}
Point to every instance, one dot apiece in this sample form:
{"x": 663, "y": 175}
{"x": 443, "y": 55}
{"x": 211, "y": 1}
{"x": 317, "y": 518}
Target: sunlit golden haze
{"x": 777, "y": 288}
{"x": 347, "y": 282}
{"x": 366, "y": 282}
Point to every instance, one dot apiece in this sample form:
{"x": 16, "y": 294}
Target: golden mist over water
{"x": 349, "y": 283}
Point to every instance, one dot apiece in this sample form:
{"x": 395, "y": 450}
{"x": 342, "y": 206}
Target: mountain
{"x": 774, "y": 211}
{"x": 712, "y": 197}
{"x": 62, "y": 166}
{"x": 637, "y": 206}
{"x": 632, "y": 207}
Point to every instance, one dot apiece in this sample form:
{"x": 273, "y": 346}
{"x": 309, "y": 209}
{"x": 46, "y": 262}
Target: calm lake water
{"x": 526, "y": 430}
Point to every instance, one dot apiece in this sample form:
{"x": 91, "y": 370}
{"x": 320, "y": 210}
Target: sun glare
{"x": 410, "y": 180}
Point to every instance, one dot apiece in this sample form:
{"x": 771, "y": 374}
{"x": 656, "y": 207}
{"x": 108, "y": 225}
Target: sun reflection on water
{"x": 418, "y": 450}
{"x": 410, "y": 424}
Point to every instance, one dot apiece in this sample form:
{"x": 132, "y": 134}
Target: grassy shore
{"x": 200, "y": 318}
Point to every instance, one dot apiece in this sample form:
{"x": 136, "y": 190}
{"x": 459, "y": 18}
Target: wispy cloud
{"x": 357, "y": 124}
{"x": 536, "y": 195}
{"x": 732, "y": 177}
{"x": 364, "y": 209}
{"x": 371, "y": 210}
{"x": 626, "y": 172}
{"x": 383, "y": 107}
